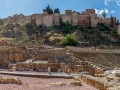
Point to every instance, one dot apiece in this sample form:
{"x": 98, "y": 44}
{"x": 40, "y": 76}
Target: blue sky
{"x": 28, "y": 7}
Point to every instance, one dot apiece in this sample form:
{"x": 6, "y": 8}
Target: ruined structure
{"x": 118, "y": 29}
{"x": 34, "y": 57}
{"x": 88, "y": 17}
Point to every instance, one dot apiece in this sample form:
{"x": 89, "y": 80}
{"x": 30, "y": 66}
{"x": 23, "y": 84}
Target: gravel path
{"x": 32, "y": 83}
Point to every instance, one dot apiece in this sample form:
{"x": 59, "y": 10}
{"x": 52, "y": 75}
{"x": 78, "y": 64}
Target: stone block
{"x": 19, "y": 57}
{"x": 4, "y": 56}
{"x": 11, "y": 58}
{"x": 77, "y": 83}
{"x": 4, "y": 63}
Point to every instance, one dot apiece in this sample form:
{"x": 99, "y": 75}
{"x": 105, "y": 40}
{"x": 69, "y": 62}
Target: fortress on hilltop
{"x": 88, "y": 17}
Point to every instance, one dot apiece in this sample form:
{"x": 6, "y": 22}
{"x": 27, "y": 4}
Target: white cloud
{"x": 118, "y": 2}
{"x": 101, "y": 11}
{"x": 106, "y": 10}
{"x": 106, "y": 1}
{"x": 113, "y": 11}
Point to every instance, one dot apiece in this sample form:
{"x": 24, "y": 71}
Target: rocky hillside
{"x": 85, "y": 35}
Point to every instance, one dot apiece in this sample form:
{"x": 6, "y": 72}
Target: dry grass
{"x": 7, "y": 39}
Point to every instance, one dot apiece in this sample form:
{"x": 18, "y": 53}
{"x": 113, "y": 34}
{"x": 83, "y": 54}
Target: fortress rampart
{"x": 88, "y": 17}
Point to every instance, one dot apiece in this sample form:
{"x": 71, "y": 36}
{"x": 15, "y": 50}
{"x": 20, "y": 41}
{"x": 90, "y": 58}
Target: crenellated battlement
{"x": 88, "y": 17}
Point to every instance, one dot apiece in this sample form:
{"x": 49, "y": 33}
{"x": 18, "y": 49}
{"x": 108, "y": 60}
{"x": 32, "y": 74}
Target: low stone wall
{"x": 10, "y": 80}
{"x": 40, "y": 55}
{"x": 11, "y": 54}
{"x": 93, "y": 82}
{"x": 22, "y": 66}
{"x": 78, "y": 68}
{"x": 53, "y": 66}
{"x": 4, "y": 63}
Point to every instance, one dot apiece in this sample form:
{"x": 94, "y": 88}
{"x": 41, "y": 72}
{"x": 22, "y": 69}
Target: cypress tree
{"x": 48, "y": 9}
{"x": 111, "y": 21}
{"x": 67, "y": 27}
{"x": 61, "y": 23}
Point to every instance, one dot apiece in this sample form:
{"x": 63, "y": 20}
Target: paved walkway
{"x": 37, "y": 74}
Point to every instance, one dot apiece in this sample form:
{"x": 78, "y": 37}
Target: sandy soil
{"x": 32, "y": 83}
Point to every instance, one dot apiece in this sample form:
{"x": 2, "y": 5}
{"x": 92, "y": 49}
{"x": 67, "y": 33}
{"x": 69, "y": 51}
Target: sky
{"x": 28, "y": 7}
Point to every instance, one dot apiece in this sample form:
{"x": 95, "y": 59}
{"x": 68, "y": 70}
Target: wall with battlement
{"x": 66, "y": 18}
{"x": 83, "y": 19}
{"x": 88, "y": 17}
{"x": 119, "y": 29}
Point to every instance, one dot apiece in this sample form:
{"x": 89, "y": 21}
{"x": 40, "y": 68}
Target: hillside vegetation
{"x": 62, "y": 35}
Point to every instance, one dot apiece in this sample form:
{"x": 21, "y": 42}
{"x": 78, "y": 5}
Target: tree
{"x": 112, "y": 21}
{"x": 104, "y": 14}
{"x": 56, "y": 10}
{"x": 117, "y": 22}
{"x": 48, "y": 9}
{"x": 44, "y": 10}
{"x": 67, "y": 27}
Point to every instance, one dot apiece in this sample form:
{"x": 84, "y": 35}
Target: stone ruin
{"x": 88, "y": 17}
{"x": 39, "y": 58}
{"x": 10, "y": 80}
{"x": 27, "y": 57}
{"x": 31, "y": 57}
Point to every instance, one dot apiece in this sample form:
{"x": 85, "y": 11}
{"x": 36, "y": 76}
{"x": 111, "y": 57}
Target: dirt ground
{"x": 33, "y": 83}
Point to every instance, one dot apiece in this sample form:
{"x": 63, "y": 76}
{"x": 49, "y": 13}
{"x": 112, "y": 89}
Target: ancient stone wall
{"x": 68, "y": 12}
{"x": 107, "y": 21}
{"x": 40, "y": 54}
{"x": 66, "y": 18}
{"x": 11, "y": 54}
{"x": 87, "y": 17}
{"x": 84, "y": 13}
{"x": 56, "y": 18}
{"x": 83, "y": 19}
{"x": 39, "y": 20}
{"x": 28, "y": 19}
{"x": 114, "y": 20}
{"x": 92, "y": 11}
{"x": 119, "y": 29}
{"x": 74, "y": 18}
{"x": 53, "y": 66}
{"x": 93, "y": 19}
{"x": 11, "y": 80}
{"x": 47, "y": 20}
{"x": 93, "y": 82}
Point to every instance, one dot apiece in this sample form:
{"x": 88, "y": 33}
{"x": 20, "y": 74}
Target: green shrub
{"x": 89, "y": 27}
{"x": 25, "y": 37}
{"x": 75, "y": 27}
{"x": 13, "y": 41}
{"x": 106, "y": 28}
{"x": 36, "y": 31}
{"x": 29, "y": 25}
{"x": 100, "y": 24}
{"x": 40, "y": 26}
{"x": 101, "y": 28}
{"x": 69, "y": 40}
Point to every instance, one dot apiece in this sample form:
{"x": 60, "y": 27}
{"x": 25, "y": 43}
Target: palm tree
{"x": 103, "y": 14}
